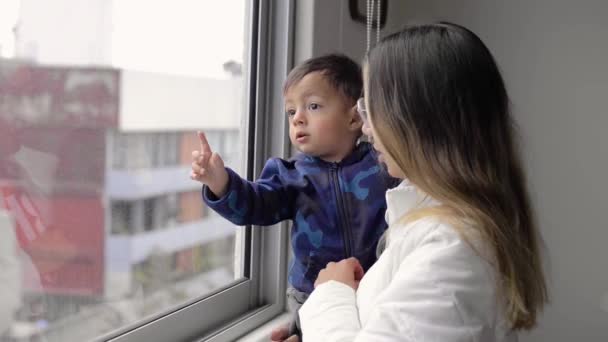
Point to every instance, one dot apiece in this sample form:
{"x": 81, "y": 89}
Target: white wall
{"x": 554, "y": 58}
{"x": 330, "y": 24}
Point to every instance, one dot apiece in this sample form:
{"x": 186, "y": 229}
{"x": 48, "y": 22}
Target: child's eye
{"x": 313, "y": 106}
{"x": 290, "y": 112}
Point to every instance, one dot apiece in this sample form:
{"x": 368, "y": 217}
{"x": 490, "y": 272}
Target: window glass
{"x": 100, "y": 101}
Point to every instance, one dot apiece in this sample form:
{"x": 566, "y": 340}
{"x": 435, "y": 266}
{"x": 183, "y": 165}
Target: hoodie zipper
{"x": 342, "y": 217}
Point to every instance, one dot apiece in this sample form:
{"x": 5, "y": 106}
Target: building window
{"x": 150, "y": 214}
{"x": 136, "y": 151}
{"x": 122, "y": 218}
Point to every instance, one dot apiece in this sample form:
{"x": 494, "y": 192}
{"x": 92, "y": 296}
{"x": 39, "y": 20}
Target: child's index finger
{"x": 205, "y": 148}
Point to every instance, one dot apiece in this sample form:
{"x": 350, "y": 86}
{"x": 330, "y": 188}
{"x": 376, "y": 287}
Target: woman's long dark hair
{"x": 437, "y": 98}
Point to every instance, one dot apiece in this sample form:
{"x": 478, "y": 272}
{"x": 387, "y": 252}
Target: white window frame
{"x": 246, "y": 304}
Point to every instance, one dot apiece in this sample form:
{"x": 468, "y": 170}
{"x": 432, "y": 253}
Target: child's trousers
{"x": 295, "y": 299}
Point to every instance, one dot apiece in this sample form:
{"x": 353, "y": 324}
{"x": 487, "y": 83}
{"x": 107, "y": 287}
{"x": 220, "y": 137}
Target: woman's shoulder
{"x": 437, "y": 244}
{"x": 437, "y": 230}
{"x": 416, "y": 232}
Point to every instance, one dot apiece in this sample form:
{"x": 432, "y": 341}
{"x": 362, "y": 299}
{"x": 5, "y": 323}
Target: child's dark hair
{"x": 342, "y": 73}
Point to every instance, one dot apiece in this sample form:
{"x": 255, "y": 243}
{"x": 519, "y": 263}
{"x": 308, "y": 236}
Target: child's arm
{"x": 264, "y": 202}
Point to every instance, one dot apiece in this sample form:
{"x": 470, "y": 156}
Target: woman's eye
{"x": 313, "y": 106}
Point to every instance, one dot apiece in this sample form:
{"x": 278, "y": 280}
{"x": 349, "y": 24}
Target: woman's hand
{"x": 347, "y": 271}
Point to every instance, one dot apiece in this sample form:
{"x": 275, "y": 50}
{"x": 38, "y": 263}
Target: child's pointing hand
{"x": 208, "y": 168}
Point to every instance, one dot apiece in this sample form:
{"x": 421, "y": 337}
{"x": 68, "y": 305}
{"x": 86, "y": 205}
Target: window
{"x": 122, "y": 217}
{"x": 150, "y": 212}
{"x": 189, "y": 209}
{"x": 133, "y": 150}
{"x": 231, "y": 145}
{"x": 99, "y": 104}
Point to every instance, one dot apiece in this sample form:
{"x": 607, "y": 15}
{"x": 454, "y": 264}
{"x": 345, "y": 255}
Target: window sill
{"x": 262, "y": 334}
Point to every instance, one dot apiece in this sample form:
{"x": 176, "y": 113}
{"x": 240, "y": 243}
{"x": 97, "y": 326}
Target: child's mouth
{"x": 301, "y": 137}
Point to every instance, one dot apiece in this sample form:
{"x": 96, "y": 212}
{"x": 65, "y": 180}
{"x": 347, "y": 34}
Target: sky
{"x": 183, "y": 37}
{"x": 8, "y": 17}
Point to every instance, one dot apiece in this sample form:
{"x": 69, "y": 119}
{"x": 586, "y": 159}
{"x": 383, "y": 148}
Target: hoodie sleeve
{"x": 266, "y": 201}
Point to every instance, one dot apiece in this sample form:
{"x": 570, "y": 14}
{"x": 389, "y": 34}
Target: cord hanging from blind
{"x": 371, "y": 5}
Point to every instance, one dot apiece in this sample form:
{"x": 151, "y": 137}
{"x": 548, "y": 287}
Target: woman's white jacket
{"x": 429, "y": 284}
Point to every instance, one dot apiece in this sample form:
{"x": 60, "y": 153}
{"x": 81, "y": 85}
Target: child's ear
{"x": 355, "y": 123}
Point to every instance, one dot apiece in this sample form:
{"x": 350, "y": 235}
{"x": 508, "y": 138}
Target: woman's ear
{"x": 355, "y": 122}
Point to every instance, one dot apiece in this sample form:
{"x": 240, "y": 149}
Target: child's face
{"x": 321, "y": 121}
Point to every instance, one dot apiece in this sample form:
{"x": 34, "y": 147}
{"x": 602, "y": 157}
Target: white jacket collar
{"x": 402, "y": 199}
{"x": 399, "y": 200}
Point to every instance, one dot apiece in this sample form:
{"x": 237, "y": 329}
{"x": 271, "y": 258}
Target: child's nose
{"x": 299, "y": 117}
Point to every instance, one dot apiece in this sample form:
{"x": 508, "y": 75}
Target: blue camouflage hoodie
{"x": 337, "y": 209}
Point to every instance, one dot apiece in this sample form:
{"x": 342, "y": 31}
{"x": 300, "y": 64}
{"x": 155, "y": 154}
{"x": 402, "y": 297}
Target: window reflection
{"x": 100, "y": 225}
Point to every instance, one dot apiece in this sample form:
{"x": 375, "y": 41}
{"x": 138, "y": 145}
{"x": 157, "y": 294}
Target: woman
{"x": 462, "y": 255}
